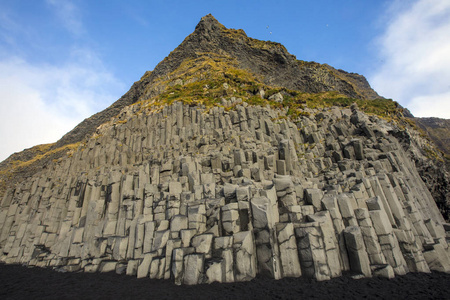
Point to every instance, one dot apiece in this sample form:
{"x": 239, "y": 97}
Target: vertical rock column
{"x": 244, "y": 256}
{"x": 311, "y": 249}
{"x": 330, "y": 242}
{"x": 221, "y": 268}
{"x": 265, "y": 237}
{"x": 290, "y": 263}
{"x": 329, "y": 202}
{"x": 193, "y": 268}
{"x": 287, "y": 197}
{"x": 359, "y": 260}
{"x": 387, "y": 239}
{"x": 377, "y": 260}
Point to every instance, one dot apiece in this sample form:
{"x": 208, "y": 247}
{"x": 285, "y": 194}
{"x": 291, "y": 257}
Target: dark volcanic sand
{"x": 17, "y": 282}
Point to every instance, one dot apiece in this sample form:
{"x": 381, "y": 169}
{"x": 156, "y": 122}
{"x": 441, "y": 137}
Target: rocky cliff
{"x": 270, "y": 61}
{"x": 438, "y": 130}
{"x": 232, "y": 159}
{"x": 211, "y": 46}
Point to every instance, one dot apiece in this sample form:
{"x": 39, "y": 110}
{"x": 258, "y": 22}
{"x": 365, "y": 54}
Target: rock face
{"x": 438, "y": 130}
{"x": 270, "y": 60}
{"x": 431, "y": 163}
{"x": 225, "y": 195}
{"x": 221, "y": 193}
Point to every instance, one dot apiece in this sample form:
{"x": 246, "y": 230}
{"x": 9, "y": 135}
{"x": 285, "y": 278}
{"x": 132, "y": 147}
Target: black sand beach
{"x": 18, "y": 282}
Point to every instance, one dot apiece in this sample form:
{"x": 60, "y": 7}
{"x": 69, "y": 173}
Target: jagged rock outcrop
{"x": 438, "y": 130}
{"x": 269, "y": 60}
{"x": 431, "y": 165}
{"x": 429, "y": 148}
{"x": 225, "y": 195}
{"x": 188, "y": 181}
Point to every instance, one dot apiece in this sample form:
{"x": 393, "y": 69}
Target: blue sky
{"x": 64, "y": 60}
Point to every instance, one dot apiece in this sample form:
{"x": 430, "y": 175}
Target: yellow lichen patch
{"x": 206, "y": 79}
{"x": 20, "y": 164}
{"x": 42, "y": 153}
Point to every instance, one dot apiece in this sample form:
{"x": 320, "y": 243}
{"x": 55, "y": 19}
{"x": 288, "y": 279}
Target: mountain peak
{"x": 209, "y": 35}
{"x": 208, "y": 23}
{"x": 231, "y": 140}
{"x": 208, "y": 26}
{"x": 207, "y": 29}
{"x": 267, "y": 61}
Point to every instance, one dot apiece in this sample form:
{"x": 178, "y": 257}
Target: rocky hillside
{"x": 210, "y": 47}
{"x": 438, "y": 130}
{"x": 231, "y": 159}
{"x": 213, "y": 56}
{"x": 228, "y": 192}
{"x": 269, "y": 61}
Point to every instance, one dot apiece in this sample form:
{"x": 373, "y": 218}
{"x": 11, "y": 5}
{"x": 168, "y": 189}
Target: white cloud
{"x": 414, "y": 54}
{"x": 436, "y": 105}
{"x": 68, "y": 14}
{"x": 40, "y": 103}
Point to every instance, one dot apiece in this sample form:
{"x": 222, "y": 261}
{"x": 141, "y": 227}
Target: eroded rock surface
{"x": 223, "y": 195}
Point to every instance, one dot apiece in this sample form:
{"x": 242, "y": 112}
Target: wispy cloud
{"x": 11, "y": 31}
{"x": 414, "y": 55}
{"x": 40, "y": 103}
{"x": 69, "y": 14}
